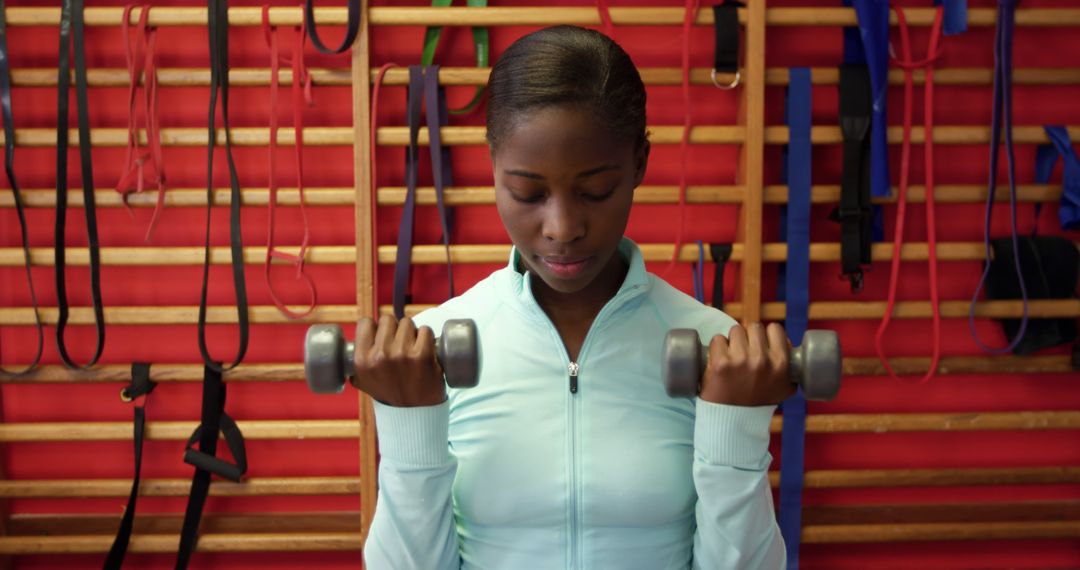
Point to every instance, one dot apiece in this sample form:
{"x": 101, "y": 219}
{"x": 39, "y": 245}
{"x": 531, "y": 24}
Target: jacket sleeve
{"x": 736, "y": 524}
{"x": 413, "y": 526}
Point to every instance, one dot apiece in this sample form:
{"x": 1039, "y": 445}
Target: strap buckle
{"x": 140, "y": 386}
{"x": 734, "y": 83}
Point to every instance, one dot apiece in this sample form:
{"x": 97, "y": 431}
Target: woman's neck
{"x": 581, "y": 306}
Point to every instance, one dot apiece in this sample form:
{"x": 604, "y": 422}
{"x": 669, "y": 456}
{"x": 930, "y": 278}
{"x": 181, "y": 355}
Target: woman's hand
{"x": 396, "y": 364}
{"x": 749, "y": 367}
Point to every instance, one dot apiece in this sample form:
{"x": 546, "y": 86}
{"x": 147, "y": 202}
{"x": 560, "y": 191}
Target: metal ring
{"x": 732, "y": 85}
{"x": 124, "y": 396}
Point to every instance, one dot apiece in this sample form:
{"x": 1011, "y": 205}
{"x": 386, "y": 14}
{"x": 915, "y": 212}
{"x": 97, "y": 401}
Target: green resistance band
{"x": 480, "y": 41}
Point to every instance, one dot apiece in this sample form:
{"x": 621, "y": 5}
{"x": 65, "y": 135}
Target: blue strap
{"x": 955, "y": 16}
{"x": 1045, "y": 159}
{"x": 796, "y": 291}
{"x": 873, "y": 16}
{"x": 699, "y": 273}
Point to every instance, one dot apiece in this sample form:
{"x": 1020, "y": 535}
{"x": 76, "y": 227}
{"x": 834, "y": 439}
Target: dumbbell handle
{"x": 348, "y": 356}
{"x": 329, "y": 358}
{"x": 796, "y": 363}
{"x": 814, "y": 365}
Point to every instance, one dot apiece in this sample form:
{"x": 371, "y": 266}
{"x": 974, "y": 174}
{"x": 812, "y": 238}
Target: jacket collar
{"x": 517, "y": 285}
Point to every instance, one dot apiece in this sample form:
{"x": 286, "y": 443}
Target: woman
{"x": 569, "y": 453}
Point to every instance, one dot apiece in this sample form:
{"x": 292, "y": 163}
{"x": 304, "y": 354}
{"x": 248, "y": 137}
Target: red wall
{"x": 332, "y": 166}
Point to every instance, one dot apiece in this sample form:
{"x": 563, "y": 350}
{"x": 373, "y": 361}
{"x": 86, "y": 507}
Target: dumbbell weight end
{"x": 328, "y": 357}
{"x": 814, "y": 365}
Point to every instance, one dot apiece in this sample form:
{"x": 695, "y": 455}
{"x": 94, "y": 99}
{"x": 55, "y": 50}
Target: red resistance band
{"x": 906, "y": 63}
{"x": 689, "y": 16}
{"x": 301, "y": 94}
{"x": 141, "y": 58}
{"x": 374, "y": 181}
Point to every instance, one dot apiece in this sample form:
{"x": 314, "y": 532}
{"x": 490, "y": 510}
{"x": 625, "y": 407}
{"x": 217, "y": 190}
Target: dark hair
{"x": 566, "y": 65}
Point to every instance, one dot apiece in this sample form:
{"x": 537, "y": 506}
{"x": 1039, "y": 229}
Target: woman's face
{"x": 563, "y": 187}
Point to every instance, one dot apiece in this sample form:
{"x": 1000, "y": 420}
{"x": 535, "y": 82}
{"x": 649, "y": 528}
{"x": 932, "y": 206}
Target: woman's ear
{"x": 641, "y": 162}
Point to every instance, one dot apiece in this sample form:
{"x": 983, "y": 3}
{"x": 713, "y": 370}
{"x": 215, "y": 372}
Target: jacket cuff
{"x": 736, "y": 436}
{"x": 415, "y": 436}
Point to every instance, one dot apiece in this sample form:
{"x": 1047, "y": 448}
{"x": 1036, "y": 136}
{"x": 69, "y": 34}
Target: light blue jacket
{"x": 616, "y": 476}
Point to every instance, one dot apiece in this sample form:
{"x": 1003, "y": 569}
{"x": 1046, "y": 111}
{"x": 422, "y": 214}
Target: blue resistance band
{"x": 1046, "y": 157}
{"x": 795, "y": 287}
{"x": 955, "y": 16}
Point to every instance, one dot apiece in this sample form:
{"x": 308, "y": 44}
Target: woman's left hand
{"x": 749, "y": 367}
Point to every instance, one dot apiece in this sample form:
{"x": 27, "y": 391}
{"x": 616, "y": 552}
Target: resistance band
{"x": 213, "y": 418}
{"x": 1001, "y": 121}
{"x": 909, "y": 65}
{"x": 351, "y": 29}
{"x": 71, "y": 24}
{"x": 9, "y": 168}
{"x": 423, "y": 90}
{"x": 481, "y": 43}
{"x": 301, "y": 94}
{"x": 141, "y": 58}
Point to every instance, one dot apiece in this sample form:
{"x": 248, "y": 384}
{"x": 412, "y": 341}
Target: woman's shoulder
{"x": 480, "y": 302}
{"x": 678, "y": 310}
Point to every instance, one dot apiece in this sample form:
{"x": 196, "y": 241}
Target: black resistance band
{"x": 213, "y": 418}
{"x": 71, "y": 23}
{"x": 9, "y": 167}
{"x": 351, "y": 30}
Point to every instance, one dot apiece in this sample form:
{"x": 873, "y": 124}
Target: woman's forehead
{"x": 559, "y": 140}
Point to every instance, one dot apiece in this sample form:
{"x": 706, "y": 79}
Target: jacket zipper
{"x": 573, "y": 371}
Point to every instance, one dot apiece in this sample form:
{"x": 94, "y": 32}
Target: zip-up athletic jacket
{"x": 522, "y": 473}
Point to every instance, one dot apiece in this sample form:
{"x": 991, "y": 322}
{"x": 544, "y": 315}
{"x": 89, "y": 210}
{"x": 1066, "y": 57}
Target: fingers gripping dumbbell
{"x": 328, "y": 357}
{"x": 814, "y": 365}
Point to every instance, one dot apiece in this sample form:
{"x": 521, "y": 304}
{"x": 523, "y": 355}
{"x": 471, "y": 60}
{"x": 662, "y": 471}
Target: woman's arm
{"x": 736, "y": 525}
{"x": 413, "y": 525}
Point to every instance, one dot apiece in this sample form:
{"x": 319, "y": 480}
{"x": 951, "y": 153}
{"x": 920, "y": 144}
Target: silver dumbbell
{"x": 814, "y": 365}
{"x": 328, "y": 357}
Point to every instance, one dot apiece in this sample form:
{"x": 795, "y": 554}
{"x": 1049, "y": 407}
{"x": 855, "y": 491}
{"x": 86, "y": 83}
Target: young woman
{"x": 569, "y": 453}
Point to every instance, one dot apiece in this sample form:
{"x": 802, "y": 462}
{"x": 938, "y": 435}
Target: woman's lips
{"x": 567, "y": 269}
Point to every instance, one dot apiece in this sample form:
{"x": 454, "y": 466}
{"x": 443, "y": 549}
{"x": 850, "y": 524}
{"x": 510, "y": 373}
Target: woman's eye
{"x": 599, "y": 197}
{"x": 527, "y": 197}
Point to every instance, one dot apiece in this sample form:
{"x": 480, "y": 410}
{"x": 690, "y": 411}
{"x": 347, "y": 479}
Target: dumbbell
{"x": 814, "y": 365}
{"x": 328, "y": 357}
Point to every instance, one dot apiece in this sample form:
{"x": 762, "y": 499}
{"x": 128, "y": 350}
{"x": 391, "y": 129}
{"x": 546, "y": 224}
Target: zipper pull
{"x": 573, "y": 370}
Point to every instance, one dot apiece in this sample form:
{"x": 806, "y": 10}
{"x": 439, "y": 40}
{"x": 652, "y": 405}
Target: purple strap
{"x": 1002, "y": 119}
{"x": 423, "y": 84}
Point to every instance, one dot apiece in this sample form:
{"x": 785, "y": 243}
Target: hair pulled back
{"x": 571, "y": 66}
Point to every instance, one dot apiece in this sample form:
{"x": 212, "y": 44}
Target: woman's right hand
{"x": 395, "y": 363}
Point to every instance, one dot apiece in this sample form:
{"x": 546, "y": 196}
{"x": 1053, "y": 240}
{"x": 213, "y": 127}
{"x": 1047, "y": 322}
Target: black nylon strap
{"x": 726, "y": 28}
{"x": 720, "y": 253}
{"x": 9, "y": 168}
{"x": 141, "y": 385}
{"x": 219, "y": 81}
{"x": 854, "y": 214}
{"x": 212, "y": 420}
{"x": 352, "y": 28}
{"x": 71, "y": 24}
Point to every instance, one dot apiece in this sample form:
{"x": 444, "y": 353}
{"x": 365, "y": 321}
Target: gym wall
{"x": 977, "y": 468}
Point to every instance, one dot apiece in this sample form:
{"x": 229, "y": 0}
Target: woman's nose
{"x": 564, "y": 220}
